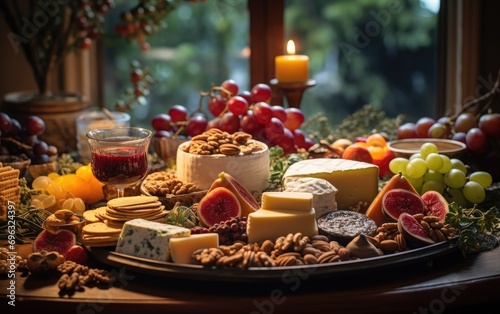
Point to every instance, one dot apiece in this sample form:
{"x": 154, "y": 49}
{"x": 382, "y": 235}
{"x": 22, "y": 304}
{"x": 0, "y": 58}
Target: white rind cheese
{"x": 356, "y": 182}
{"x": 148, "y": 239}
{"x": 252, "y": 170}
{"x": 323, "y": 192}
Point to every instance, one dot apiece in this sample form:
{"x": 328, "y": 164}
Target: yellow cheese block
{"x": 182, "y": 248}
{"x": 267, "y": 224}
{"x": 355, "y": 181}
{"x": 300, "y": 201}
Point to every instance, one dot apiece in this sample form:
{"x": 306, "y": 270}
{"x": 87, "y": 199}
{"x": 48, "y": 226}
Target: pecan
{"x": 401, "y": 242}
{"x": 267, "y": 247}
{"x": 344, "y": 254}
{"x": 439, "y": 235}
{"x": 328, "y": 257}
{"x": 310, "y": 259}
{"x": 229, "y": 149}
{"x": 389, "y": 246}
{"x": 430, "y": 219}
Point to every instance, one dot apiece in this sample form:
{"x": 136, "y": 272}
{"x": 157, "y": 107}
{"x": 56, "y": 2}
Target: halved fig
{"x": 435, "y": 205}
{"x": 218, "y": 205}
{"x": 412, "y": 231}
{"x": 247, "y": 201}
{"x": 398, "y": 201}
{"x": 61, "y": 241}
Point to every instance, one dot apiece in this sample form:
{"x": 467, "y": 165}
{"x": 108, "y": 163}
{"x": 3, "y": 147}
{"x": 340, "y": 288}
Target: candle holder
{"x": 292, "y": 91}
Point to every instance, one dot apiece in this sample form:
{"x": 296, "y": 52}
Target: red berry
{"x": 77, "y": 254}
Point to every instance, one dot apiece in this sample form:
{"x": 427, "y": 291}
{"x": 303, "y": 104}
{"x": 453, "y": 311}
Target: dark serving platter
{"x": 107, "y": 256}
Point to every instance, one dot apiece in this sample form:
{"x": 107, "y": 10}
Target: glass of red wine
{"x": 119, "y": 156}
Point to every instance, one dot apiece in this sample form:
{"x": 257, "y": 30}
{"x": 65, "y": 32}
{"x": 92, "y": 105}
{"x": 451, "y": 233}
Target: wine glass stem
{"x": 120, "y": 192}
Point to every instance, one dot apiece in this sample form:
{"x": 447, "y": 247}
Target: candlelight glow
{"x": 290, "y": 47}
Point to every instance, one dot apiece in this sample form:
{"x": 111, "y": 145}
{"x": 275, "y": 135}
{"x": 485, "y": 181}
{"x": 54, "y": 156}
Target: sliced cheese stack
{"x": 323, "y": 192}
{"x": 148, "y": 239}
{"x": 181, "y": 249}
{"x": 282, "y": 213}
{"x": 355, "y": 181}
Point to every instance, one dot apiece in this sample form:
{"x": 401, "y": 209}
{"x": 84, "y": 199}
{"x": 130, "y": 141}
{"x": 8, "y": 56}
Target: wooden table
{"x": 450, "y": 284}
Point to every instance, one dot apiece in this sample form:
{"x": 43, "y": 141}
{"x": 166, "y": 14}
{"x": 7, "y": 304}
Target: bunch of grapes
{"x": 229, "y": 231}
{"x": 480, "y": 133}
{"x": 232, "y": 110}
{"x": 19, "y": 140}
{"x": 430, "y": 170}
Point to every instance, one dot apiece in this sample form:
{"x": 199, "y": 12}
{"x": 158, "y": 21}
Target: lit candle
{"x": 292, "y": 68}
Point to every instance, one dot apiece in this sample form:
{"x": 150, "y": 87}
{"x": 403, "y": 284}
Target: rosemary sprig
{"x": 279, "y": 163}
{"x": 478, "y": 230}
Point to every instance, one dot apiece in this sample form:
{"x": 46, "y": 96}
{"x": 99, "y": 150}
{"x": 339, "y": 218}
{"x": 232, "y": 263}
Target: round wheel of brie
{"x": 251, "y": 170}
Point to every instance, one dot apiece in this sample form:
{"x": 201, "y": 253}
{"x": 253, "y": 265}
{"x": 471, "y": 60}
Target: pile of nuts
{"x": 162, "y": 183}
{"x": 215, "y": 141}
{"x": 75, "y": 276}
{"x": 290, "y": 250}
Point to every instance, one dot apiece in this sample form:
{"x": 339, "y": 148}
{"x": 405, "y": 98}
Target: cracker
{"x": 131, "y": 201}
{"x": 100, "y": 228}
{"x": 136, "y": 207}
{"x": 134, "y": 213}
{"x": 90, "y": 217}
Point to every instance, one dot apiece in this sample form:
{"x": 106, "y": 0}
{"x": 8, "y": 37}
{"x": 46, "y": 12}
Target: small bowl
{"x": 407, "y": 147}
{"x": 16, "y": 162}
{"x": 75, "y": 227}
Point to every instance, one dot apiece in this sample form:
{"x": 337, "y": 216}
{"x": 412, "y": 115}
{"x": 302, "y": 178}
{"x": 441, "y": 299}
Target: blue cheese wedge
{"x": 148, "y": 239}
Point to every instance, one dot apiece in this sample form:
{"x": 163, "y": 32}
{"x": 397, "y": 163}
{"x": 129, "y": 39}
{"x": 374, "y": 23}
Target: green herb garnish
{"x": 279, "y": 163}
{"x": 478, "y": 230}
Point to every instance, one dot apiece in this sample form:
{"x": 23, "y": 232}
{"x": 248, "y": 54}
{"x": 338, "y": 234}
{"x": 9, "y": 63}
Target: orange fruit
{"x": 75, "y": 185}
{"x": 95, "y": 186}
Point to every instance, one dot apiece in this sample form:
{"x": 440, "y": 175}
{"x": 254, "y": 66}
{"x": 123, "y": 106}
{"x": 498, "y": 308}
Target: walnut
{"x": 207, "y": 256}
{"x": 43, "y": 261}
{"x": 75, "y": 276}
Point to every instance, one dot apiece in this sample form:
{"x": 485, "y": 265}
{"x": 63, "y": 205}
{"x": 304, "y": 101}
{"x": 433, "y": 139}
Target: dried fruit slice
{"x": 412, "y": 231}
{"x": 61, "y": 241}
{"x": 398, "y": 201}
{"x": 247, "y": 201}
{"x": 218, "y": 205}
{"x": 435, "y": 204}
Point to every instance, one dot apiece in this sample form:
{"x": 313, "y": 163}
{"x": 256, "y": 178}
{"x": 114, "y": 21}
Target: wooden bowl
{"x": 407, "y": 147}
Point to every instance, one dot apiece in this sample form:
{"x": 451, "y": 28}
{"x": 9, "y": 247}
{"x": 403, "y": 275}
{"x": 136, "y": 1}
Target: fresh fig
{"x": 218, "y": 205}
{"x": 435, "y": 205}
{"x": 398, "y": 201}
{"x": 412, "y": 231}
{"x": 247, "y": 201}
{"x": 61, "y": 241}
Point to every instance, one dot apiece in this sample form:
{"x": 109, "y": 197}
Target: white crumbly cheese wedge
{"x": 323, "y": 192}
{"x": 148, "y": 239}
{"x": 356, "y": 182}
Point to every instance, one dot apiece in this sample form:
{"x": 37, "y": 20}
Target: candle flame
{"x": 290, "y": 47}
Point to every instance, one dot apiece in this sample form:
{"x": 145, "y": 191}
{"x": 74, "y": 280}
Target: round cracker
{"x": 89, "y": 216}
{"x": 100, "y": 228}
{"x": 131, "y": 200}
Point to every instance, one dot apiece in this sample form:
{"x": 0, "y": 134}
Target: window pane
{"x": 381, "y": 52}
{"x": 204, "y": 43}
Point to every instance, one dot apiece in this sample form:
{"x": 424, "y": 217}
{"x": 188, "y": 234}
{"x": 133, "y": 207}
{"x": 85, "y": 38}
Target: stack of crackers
{"x": 9, "y": 189}
{"x": 104, "y": 224}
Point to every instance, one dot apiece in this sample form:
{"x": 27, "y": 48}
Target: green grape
{"x": 432, "y": 186}
{"x": 474, "y": 192}
{"x": 458, "y": 164}
{"x": 482, "y": 177}
{"x": 434, "y": 161}
{"x": 398, "y": 164}
{"x": 416, "y": 183}
{"x": 432, "y": 175}
{"x": 454, "y": 178}
{"x": 428, "y": 148}
{"x": 446, "y": 164}
{"x": 416, "y": 155}
{"x": 416, "y": 168}
{"x": 456, "y": 196}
